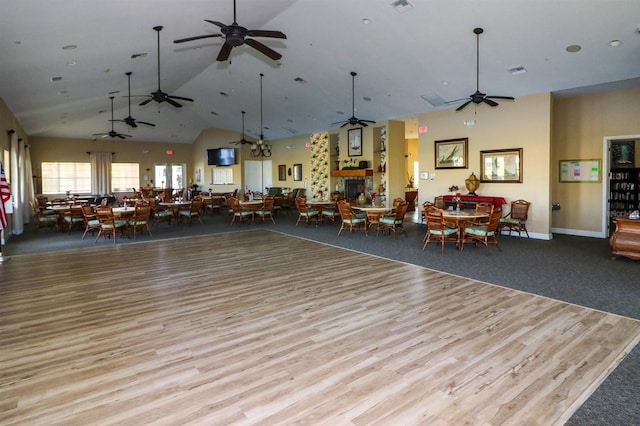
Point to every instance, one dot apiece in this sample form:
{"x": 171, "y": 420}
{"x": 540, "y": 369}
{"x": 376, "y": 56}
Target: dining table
{"x": 372, "y": 212}
{"x": 175, "y": 206}
{"x": 123, "y": 213}
{"x": 459, "y": 217}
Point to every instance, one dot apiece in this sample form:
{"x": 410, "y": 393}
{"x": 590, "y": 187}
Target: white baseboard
{"x": 578, "y": 232}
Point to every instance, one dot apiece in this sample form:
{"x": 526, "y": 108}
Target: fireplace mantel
{"x": 352, "y": 173}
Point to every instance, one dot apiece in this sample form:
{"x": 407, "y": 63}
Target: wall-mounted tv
{"x": 221, "y": 156}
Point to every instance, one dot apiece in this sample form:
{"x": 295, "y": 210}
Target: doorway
{"x": 257, "y": 175}
{"x": 169, "y": 175}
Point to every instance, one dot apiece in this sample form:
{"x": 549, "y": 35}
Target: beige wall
{"x": 125, "y": 151}
{"x": 580, "y": 126}
{"x": 524, "y": 123}
{"x": 548, "y": 131}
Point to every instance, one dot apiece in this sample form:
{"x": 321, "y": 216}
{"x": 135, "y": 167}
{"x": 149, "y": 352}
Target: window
{"x": 58, "y": 178}
{"x": 222, "y": 176}
{"x": 124, "y": 176}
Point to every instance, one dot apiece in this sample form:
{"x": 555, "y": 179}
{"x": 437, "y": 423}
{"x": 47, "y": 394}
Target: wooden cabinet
{"x": 625, "y": 241}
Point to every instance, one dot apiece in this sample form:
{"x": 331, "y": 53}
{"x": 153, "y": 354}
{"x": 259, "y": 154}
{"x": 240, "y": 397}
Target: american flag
{"x": 5, "y": 195}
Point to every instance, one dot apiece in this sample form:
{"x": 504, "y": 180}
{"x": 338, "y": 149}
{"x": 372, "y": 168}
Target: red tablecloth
{"x": 496, "y": 201}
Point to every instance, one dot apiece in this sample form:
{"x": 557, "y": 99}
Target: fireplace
{"x": 353, "y": 188}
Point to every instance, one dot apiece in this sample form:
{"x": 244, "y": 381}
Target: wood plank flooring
{"x": 260, "y": 328}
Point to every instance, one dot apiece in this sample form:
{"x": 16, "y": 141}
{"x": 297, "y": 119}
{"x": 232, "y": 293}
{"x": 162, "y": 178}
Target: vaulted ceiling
{"x": 61, "y": 60}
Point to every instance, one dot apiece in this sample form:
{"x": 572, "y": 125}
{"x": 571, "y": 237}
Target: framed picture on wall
{"x": 282, "y": 172}
{"x": 355, "y": 142}
{"x": 451, "y": 153}
{"x": 623, "y": 154}
{"x": 501, "y": 165}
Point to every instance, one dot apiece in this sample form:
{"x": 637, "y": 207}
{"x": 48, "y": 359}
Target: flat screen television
{"x": 221, "y": 156}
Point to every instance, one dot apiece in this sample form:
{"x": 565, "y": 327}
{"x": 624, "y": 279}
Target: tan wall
{"x": 580, "y": 126}
{"x": 145, "y": 153}
{"x": 524, "y": 123}
{"x": 290, "y": 151}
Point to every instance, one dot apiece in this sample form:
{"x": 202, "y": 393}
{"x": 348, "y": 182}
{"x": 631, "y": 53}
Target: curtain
{"x": 28, "y": 184}
{"x": 17, "y": 183}
{"x": 101, "y": 173}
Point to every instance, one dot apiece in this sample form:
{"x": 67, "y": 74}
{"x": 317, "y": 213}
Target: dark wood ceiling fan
{"x": 236, "y": 35}
{"x": 478, "y": 97}
{"x": 132, "y": 122}
{"x": 112, "y": 133}
{"x": 353, "y": 120}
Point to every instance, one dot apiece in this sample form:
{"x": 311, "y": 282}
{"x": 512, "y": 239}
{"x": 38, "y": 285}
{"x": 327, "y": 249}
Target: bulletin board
{"x": 580, "y": 171}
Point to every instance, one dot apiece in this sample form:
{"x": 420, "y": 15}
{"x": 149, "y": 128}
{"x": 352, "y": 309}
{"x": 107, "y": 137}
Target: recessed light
{"x": 366, "y": 21}
{"x": 469, "y": 123}
{"x": 445, "y": 83}
{"x": 71, "y": 63}
{"x": 615, "y": 43}
{"x": 574, "y": 48}
{"x": 69, "y": 47}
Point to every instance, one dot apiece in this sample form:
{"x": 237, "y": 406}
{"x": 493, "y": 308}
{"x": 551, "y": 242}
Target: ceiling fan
{"x": 130, "y": 120}
{"x": 353, "y": 120}
{"x": 243, "y": 140}
{"x": 160, "y": 96}
{"x": 236, "y": 35}
{"x": 478, "y": 97}
{"x": 112, "y": 133}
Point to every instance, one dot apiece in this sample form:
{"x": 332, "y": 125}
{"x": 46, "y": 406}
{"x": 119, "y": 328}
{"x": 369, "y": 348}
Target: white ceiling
{"x": 398, "y": 56}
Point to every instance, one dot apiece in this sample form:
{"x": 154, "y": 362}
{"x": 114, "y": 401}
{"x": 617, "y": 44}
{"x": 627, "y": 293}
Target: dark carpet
{"x": 576, "y": 270}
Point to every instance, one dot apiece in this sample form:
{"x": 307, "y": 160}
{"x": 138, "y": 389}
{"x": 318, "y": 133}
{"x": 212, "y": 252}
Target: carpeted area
{"x": 578, "y": 270}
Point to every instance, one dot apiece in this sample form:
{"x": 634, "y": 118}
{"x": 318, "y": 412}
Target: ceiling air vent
{"x": 401, "y": 6}
{"x": 517, "y": 70}
{"x": 433, "y": 99}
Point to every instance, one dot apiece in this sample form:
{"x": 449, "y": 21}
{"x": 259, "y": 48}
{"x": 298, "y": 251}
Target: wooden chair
{"x": 439, "y": 202}
{"x": 43, "y": 220}
{"x": 330, "y": 213}
{"x": 484, "y": 233}
{"x": 72, "y": 218}
{"x": 91, "y": 222}
{"x": 109, "y": 225}
{"x": 484, "y": 208}
{"x": 239, "y": 213}
{"x": 373, "y": 219}
{"x": 425, "y": 206}
{"x": 395, "y": 221}
{"x": 266, "y": 210}
{"x": 160, "y": 213}
{"x": 140, "y": 219}
{"x": 349, "y": 218}
{"x": 193, "y": 212}
{"x": 304, "y": 212}
{"x": 516, "y": 218}
{"x": 438, "y": 230}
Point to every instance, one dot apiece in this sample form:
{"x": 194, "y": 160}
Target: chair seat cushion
{"x": 445, "y": 231}
{"x": 243, "y": 213}
{"x": 93, "y": 222}
{"x": 354, "y": 221}
{"x": 134, "y": 222}
{"x": 477, "y": 230}
{"x": 163, "y": 213}
{"x": 309, "y": 213}
{"x": 48, "y": 219}
{"x": 390, "y": 221}
{"x": 508, "y": 220}
{"x": 118, "y": 222}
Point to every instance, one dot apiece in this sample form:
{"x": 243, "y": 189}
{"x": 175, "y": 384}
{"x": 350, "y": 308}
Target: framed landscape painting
{"x": 451, "y": 153}
{"x": 501, "y": 165}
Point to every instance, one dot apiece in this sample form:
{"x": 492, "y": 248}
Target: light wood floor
{"x": 262, "y": 328}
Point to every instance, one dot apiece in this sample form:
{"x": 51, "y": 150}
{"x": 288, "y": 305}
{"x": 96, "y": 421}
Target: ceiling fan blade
{"x": 148, "y": 124}
{"x": 183, "y": 40}
{"x": 143, "y": 103}
{"x": 344, "y": 124}
{"x": 457, "y": 100}
{"x": 220, "y": 24}
{"x": 490, "y": 102}
{"x": 263, "y": 49}
{"x": 180, "y": 97}
{"x": 121, "y": 136}
{"x": 511, "y": 98}
{"x": 174, "y": 103}
{"x": 463, "y": 105}
{"x": 224, "y": 53}
{"x": 266, "y": 33}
